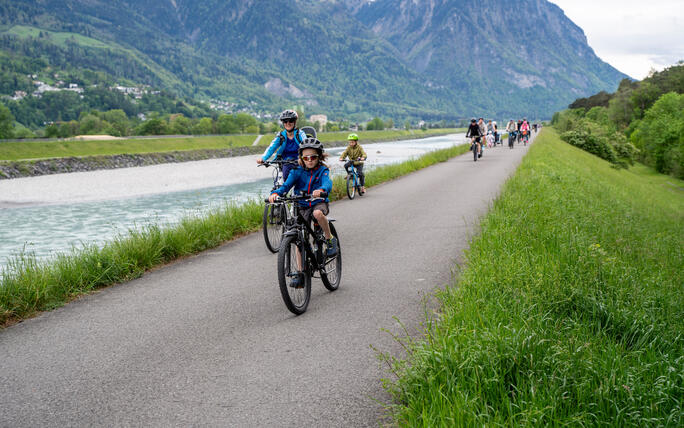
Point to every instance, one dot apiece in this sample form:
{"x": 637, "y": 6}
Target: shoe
{"x": 363, "y": 190}
{"x": 297, "y": 281}
{"x": 331, "y": 247}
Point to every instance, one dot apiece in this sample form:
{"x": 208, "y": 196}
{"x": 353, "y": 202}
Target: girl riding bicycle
{"x": 311, "y": 177}
{"x": 356, "y": 155}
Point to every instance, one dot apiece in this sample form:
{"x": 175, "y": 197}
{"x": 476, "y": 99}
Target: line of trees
{"x": 641, "y": 120}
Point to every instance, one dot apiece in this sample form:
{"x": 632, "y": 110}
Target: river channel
{"x": 43, "y": 216}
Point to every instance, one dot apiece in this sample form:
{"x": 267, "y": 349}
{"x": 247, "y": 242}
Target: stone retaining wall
{"x": 10, "y": 169}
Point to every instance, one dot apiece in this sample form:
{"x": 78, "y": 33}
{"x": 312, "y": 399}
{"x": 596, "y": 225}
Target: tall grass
{"x": 569, "y": 310}
{"x": 28, "y": 286}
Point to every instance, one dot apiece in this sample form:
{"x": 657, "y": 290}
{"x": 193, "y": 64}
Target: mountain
{"x": 433, "y": 59}
{"x": 527, "y": 49}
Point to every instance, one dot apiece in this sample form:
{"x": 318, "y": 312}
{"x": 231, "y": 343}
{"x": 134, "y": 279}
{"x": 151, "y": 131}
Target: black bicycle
{"x": 276, "y": 215}
{"x": 475, "y": 147}
{"x": 353, "y": 181}
{"x": 511, "y": 139}
{"x": 303, "y": 254}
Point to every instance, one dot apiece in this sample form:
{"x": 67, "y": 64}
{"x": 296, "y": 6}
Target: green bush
{"x": 593, "y": 144}
{"x": 660, "y": 135}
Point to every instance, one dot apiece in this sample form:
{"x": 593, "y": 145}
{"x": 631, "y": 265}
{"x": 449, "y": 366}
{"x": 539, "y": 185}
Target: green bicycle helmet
{"x": 353, "y": 137}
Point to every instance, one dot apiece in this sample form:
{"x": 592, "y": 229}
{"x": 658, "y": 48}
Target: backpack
{"x": 297, "y": 138}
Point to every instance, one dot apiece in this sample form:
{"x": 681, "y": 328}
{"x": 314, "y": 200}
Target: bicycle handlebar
{"x": 278, "y": 162}
{"x": 304, "y": 197}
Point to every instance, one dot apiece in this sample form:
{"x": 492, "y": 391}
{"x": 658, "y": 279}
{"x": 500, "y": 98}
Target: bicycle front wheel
{"x": 274, "y": 225}
{"x": 351, "y": 188}
{"x": 291, "y": 264}
{"x": 331, "y": 273}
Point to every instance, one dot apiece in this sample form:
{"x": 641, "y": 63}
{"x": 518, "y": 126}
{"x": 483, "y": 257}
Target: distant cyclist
{"x": 483, "y": 132}
{"x": 475, "y": 134}
{"x": 356, "y": 155}
{"x": 286, "y": 143}
{"x": 512, "y": 129}
{"x": 312, "y": 177}
{"x": 525, "y": 130}
{"x": 495, "y": 130}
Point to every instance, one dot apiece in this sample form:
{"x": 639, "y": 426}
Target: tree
{"x": 660, "y": 135}
{"x": 226, "y": 124}
{"x": 204, "y": 127}
{"x": 375, "y": 124}
{"x": 179, "y": 124}
{"x": 154, "y": 126}
{"x": 119, "y": 122}
{"x": 6, "y": 123}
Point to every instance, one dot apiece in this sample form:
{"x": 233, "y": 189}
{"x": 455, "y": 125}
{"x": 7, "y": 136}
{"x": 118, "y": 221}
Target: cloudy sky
{"x": 631, "y": 35}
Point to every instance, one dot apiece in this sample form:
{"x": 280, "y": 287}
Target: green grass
{"x": 57, "y": 149}
{"x": 59, "y": 38}
{"x": 569, "y": 310}
{"x": 28, "y": 286}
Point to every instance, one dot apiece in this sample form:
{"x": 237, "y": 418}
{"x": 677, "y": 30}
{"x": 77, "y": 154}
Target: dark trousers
{"x": 359, "y": 171}
{"x": 287, "y": 167}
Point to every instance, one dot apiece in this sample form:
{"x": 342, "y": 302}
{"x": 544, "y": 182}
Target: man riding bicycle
{"x": 286, "y": 143}
{"x": 474, "y": 133}
{"x": 356, "y": 156}
{"x": 311, "y": 177}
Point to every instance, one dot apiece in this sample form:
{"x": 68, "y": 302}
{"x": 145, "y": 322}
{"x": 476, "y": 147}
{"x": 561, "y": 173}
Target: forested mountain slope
{"x": 399, "y": 58}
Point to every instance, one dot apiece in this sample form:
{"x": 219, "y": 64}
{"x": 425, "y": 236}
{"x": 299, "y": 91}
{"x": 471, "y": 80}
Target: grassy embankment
{"x": 569, "y": 309}
{"x": 29, "y": 286}
{"x": 13, "y": 151}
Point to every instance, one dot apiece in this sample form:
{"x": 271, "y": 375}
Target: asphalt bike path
{"x": 208, "y": 341}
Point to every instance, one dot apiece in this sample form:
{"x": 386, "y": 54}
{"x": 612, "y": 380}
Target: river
{"x": 45, "y": 215}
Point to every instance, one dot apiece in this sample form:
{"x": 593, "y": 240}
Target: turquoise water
{"x": 47, "y": 229}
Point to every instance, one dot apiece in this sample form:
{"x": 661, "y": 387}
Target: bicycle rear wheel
{"x": 474, "y": 148}
{"x": 296, "y": 299}
{"x": 351, "y": 188}
{"x": 331, "y": 274}
{"x": 274, "y": 225}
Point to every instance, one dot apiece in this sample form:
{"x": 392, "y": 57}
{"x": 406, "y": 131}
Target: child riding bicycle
{"x": 356, "y": 156}
{"x": 311, "y": 177}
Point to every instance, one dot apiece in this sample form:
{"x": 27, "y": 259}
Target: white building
{"x": 320, "y": 118}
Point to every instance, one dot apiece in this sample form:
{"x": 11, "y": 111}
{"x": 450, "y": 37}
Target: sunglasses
{"x": 288, "y": 120}
{"x": 310, "y": 158}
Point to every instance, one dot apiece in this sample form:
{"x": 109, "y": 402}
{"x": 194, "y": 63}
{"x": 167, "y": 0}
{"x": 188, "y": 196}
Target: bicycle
{"x": 474, "y": 146}
{"x": 511, "y": 139}
{"x": 275, "y": 215}
{"x": 525, "y": 137}
{"x": 353, "y": 181}
{"x": 302, "y": 253}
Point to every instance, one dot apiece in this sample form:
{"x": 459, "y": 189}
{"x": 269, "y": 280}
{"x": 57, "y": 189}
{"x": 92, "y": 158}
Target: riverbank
{"x": 568, "y": 310}
{"x": 28, "y": 286}
{"x": 36, "y": 158}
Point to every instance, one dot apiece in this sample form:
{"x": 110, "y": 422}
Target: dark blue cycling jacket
{"x": 280, "y": 142}
{"x": 307, "y": 180}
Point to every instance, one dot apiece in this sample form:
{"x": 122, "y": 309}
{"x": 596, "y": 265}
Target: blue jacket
{"x": 280, "y": 141}
{"x": 306, "y": 181}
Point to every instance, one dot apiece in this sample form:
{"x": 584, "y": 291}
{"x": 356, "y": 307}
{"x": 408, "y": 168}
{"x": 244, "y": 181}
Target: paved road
{"x": 208, "y": 341}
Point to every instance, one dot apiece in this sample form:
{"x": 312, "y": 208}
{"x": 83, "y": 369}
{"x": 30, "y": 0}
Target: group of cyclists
{"x": 308, "y": 173}
{"x": 486, "y": 134}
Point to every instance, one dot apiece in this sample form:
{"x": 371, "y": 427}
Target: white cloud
{"x": 631, "y": 35}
